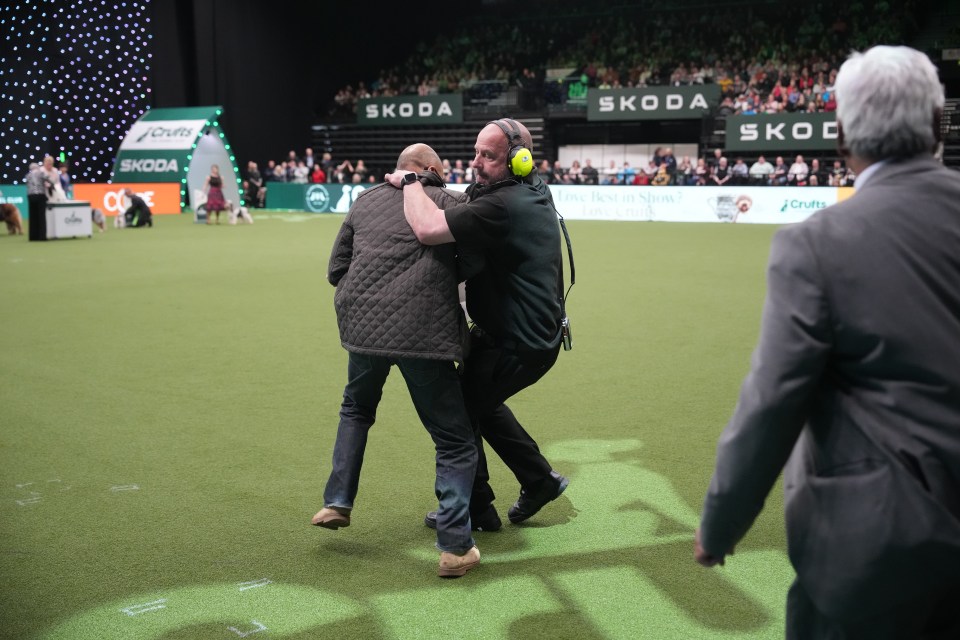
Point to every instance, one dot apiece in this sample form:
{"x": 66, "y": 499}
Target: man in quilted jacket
{"x": 388, "y": 285}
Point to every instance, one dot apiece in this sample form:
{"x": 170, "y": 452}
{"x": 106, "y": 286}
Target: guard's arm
{"x": 427, "y": 221}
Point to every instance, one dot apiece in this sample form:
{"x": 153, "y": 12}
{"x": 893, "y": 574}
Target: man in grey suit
{"x": 856, "y": 379}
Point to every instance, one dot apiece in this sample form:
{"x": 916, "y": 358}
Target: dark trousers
{"x": 37, "y": 204}
{"x": 434, "y": 387}
{"x": 933, "y": 617}
{"x": 492, "y": 374}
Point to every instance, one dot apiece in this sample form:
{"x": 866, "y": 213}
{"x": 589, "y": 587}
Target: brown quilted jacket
{"x": 396, "y": 297}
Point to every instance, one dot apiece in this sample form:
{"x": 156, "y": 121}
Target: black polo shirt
{"x": 516, "y": 297}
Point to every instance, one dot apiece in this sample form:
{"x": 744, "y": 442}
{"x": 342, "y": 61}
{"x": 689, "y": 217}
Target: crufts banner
{"x": 446, "y": 108}
{"x": 758, "y": 205}
{"x": 782, "y": 132}
{"x": 178, "y": 145}
{"x": 652, "y": 103}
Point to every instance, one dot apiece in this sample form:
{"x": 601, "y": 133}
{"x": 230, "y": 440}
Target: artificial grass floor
{"x": 168, "y": 405}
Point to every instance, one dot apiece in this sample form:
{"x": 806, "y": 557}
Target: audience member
{"x": 589, "y": 172}
{"x": 797, "y": 175}
{"x": 760, "y": 172}
{"x": 721, "y": 175}
{"x": 739, "y": 173}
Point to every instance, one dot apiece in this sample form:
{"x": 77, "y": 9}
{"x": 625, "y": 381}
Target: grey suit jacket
{"x": 856, "y": 379}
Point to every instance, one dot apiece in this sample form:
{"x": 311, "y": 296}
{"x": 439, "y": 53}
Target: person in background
{"x": 40, "y": 185}
{"x": 65, "y": 181}
{"x": 590, "y": 173}
{"x": 760, "y": 172}
{"x": 256, "y": 191}
{"x": 855, "y": 384}
{"x": 138, "y": 214}
{"x": 213, "y": 187}
{"x": 317, "y": 175}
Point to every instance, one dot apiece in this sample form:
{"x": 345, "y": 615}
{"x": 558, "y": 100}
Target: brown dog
{"x": 11, "y": 216}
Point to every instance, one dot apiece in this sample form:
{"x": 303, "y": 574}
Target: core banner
{"x": 109, "y": 198}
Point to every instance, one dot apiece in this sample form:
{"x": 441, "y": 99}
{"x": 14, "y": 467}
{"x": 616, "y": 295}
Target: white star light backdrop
{"x": 74, "y": 77}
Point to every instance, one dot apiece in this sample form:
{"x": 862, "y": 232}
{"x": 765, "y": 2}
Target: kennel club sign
{"x": 782, "y": 132}
{"x": 444, "y": 108}
{"x": 652, "y": 103}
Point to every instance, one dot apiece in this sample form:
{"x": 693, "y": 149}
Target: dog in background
{"x": 12, "y": 218}
{"x": 238, "y": 212}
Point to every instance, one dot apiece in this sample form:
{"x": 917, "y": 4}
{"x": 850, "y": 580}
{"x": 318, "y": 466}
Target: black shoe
{"x": 530, "y": 502}
{"x": 488, "y": 521}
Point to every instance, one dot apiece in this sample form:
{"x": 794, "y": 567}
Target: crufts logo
{"x": 73, "y": 219}
{"x": 803, "y": 205}
{"x": 162, "y": 133}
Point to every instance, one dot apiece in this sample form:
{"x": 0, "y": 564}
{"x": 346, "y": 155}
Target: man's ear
{"x": 841, "y": 143}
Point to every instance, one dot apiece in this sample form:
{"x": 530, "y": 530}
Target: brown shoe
{"x": 332, "y": 518}
{"x": 454, "y": 566}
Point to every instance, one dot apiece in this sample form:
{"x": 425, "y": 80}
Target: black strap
{"x": 573, "y": 271}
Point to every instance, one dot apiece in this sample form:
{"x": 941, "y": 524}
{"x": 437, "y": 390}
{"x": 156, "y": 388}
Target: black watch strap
{"x": 408, "y": 178}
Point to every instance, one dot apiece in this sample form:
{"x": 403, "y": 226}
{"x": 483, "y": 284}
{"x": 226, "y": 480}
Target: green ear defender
{"x": 519, "y": 158}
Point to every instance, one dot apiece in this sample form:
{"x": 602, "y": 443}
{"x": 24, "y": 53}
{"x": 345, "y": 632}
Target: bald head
{"x": 419, "y": 157}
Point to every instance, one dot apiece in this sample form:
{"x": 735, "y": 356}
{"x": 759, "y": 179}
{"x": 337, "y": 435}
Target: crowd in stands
{"x": 775, "y": 57}
{"x": 765, "y": 58}
{"x": 663, "y": 169}
{"x": 305, "y": 169}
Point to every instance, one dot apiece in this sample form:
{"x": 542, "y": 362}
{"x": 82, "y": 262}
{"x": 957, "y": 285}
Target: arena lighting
{"x": 89, "y": 59}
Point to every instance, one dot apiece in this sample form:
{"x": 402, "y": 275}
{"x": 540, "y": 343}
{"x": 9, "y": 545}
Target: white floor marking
{"x": 137, "y": 609}
{"x": 125, "y": 487}
{"x": 243, "y": 634}
{"x": 253, "y": 584}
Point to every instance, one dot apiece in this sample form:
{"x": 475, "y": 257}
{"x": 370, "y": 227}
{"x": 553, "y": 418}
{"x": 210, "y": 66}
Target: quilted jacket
{"x": 396, "y": 297}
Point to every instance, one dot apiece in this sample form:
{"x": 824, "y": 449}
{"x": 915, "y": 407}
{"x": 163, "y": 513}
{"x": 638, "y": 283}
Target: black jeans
{"x": 492, "y": 374}
{"x": 434, "y": 387}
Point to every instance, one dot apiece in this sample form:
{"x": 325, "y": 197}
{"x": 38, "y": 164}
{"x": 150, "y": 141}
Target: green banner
{"x": 652, "y": 103}
{"x": 445, "y": 108}
{"x": 145, "y": 165}
{"x": 15, "y": 194}
{"x": 782, "y": 132}
{"x": 314, "y": 198}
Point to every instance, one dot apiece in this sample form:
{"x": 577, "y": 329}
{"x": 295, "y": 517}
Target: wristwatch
{"x": 408, "y": 178}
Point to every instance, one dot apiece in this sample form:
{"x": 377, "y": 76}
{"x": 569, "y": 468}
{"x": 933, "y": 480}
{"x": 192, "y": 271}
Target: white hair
{"x": 886, "y": 99}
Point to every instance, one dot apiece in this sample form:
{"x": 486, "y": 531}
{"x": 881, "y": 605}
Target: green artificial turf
{"x": 168, "y": 402}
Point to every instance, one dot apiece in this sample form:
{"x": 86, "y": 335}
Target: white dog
{"x": 239, "y": 212}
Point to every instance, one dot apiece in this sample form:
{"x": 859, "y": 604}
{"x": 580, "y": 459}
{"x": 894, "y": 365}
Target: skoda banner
{"x": 446, "y": 108}
{"x": 782, "y": 132}
{"x": 652, "y": 103}
{"x": 178, "y": 146}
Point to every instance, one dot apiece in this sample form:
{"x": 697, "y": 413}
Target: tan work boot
{"x": 454, "y": 566}
{"x": 332, "y": 518}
